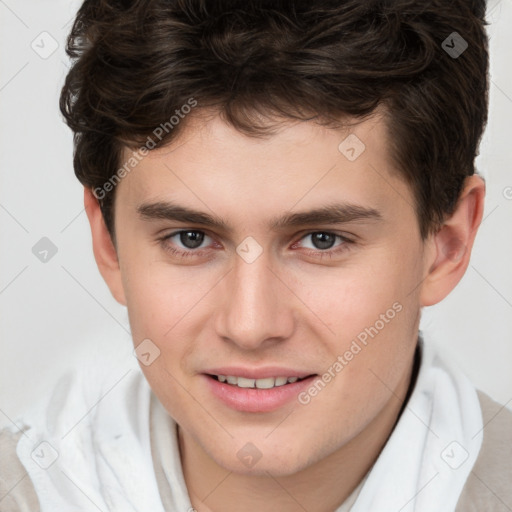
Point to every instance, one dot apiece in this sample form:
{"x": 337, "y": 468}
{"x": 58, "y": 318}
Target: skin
{"x": 289, "y": 307}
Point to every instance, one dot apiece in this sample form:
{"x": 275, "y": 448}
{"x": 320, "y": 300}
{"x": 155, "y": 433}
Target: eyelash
{"x": 318, "y": 253}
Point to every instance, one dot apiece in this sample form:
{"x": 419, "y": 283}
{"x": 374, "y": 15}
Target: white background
{"x": 54, "y": 313}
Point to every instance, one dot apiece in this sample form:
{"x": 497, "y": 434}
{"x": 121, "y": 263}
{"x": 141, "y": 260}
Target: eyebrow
{"x": 338, "y": 213}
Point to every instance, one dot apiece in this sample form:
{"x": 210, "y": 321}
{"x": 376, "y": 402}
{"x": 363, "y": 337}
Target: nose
{"x": 256, "y": 308}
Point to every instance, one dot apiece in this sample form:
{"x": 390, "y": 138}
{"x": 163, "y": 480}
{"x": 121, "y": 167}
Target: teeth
{"x": 245, "y": 383}
{"x": 268, "y": 383}
{"x": 265, "y": 383}
{"x": 281, "y": 381}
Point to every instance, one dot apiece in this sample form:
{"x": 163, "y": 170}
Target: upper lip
{"x": 258, "y": 373}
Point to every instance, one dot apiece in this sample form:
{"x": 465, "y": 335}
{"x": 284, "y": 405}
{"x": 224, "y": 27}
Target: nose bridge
{"x": 255, "y": 306}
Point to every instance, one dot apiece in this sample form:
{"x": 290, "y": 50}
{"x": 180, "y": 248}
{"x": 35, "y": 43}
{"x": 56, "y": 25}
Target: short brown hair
{"x": 136, "y": 63}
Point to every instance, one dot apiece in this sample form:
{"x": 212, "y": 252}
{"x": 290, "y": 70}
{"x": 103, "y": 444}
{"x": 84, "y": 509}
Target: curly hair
{"x": 136, "y": 63}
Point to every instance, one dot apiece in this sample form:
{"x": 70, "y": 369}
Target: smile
{"x": 256, "y": 395}
{"x": 266, "y": 383}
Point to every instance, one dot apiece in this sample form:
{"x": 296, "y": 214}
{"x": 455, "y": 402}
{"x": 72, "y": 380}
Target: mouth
{"x": 254, "y": 392}
{"x": 264, "y": 383}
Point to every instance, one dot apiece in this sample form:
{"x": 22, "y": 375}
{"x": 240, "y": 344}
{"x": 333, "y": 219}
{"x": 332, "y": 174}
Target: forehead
{"x": 213, "y": 167}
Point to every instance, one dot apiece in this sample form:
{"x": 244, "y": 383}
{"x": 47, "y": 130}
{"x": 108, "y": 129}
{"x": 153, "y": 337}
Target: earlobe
{"x": 450, "y": 248}
{"x": 104, "y": 250}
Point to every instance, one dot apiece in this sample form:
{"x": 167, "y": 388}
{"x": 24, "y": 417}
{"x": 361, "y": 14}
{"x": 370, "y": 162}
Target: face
{"x": 259, "y": 259}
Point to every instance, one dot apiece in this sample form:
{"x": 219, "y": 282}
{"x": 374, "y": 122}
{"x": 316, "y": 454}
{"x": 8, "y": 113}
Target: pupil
{"x": 323, "y": 240}
{"x": 191, "y": 239}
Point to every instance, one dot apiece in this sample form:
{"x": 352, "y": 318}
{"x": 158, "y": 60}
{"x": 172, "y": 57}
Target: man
{"x": 275, "y": 190}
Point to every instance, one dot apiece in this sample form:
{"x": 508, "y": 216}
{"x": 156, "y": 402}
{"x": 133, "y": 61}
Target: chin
{"x": 278, "y": 463}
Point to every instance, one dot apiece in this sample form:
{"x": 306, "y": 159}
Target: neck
{"x": 323, "y": 486}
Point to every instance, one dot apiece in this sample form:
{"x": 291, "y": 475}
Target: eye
{"x": 190, "y": 239}
{"x": 189, "y": 243}
{"x": 185, "y": 242}
{"x": 323, "y": 241}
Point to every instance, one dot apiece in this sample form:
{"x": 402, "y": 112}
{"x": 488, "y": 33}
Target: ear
{"x": 104, "y": 250}
{"x": 450, "y": 248}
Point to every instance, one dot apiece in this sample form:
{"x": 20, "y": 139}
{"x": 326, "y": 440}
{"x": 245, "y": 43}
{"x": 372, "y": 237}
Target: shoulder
{"x": 17, "y": 494}
{"x": 489, "y": 485}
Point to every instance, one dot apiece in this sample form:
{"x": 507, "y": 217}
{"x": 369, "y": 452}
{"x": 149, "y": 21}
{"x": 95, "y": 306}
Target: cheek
{"x": 160, "y": 302}
{"x": 373, "y": 317}
{"x": 349, "y": 299}
{"x": 168, "y": 305}
{"x": 158, "y": 295}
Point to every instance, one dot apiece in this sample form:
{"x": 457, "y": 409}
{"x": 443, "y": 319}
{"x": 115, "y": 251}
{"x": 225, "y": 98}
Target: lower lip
{"x": 256, "y": 400}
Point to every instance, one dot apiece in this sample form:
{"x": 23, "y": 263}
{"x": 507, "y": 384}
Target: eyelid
{"x": 345, "y": 245}
{"x": 344, "y": 236}
{"x": 168, "y": 236}
{"x": 318, "y": 253}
